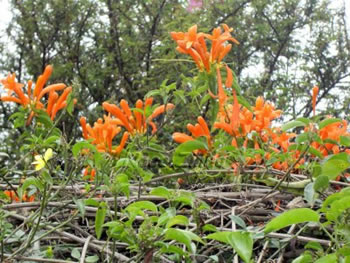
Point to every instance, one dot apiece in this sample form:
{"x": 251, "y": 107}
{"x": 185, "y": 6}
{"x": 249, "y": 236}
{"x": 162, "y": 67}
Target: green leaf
{"x": 100, "y": 219}
{"x": 161, "y": 191}
{"x": 75, "y": 253}
{"x": 146, "y": 176}
{"x": 314, "y": 245}
{"x": 236, "y": 84}
{"x": 204, "y": 100}
{"x": 81, "y": 145}
{"x": 310, "y": 194}
{"x": 52, "y": 139}
{"x": 327, "y": 140}
{"x": 91, "y": 202}
{"x": 46, "y": 177}
{"x": 321, "y": 183}
{"x": 302, "y": 137}
{"x": 44, "y": 119}
{"x": 126, "y": 162}
{"x": 293, "y": 216}
{"x": 142, "y": 205}
{"x": 244, "y": 102}
{"x": 166, "y": 216}
{"x": 81, "y": 207}
{"x": 186, "y": 148}
{"x": 304, "y": 120}
{"x": 241, "y": 242}
{"x": 182, "y": 236}
{"x": 316, "y": 170}
{"x": 305, "y": 258}
{"x": 337, "y": 208}
{"x": 185, "y": 198}
{"x": 215, "y": 258}
{"x": 137, "y": 110}
{"x": 335, "y": 164}
{"x": 330, "y": 258}
{"x": 334, "y": 197}
{"x": 209, "y": 228}
{"x": 345, "y": 141}
{"x": 92, "y": 259}
{"x": 327, "y": 122}
{"x": 344, "y": 251}
{"x": 152, "y": 93}
{"x": 291, "y": 125}
{"x": 239, "y": 221}
{"x": 178, "y": 220}
{"x": 121, "y": 184}
{"x": 32, "y": 181}
{"x": 315, "y": 152}
{"x": 172, "y": 249}
{"x": 70, "y": 104}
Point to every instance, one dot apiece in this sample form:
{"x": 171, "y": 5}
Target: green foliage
{"x": 185, "y": 149}
{"x": 100, "y": 218}
{"x": 241, "y": 242}
{"x": 335, "y": 164}
{"x": 157, "y": 201}
{"x": 293, "y": 216}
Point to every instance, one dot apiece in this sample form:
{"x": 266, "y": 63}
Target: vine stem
{"x": 289, "y": 171}
{"x": 330, "y": 236}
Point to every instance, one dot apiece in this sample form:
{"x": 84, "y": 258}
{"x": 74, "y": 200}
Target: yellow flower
{"x": 41, "y": 161}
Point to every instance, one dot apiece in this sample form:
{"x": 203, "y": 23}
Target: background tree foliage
{"x": 122, "y": 49}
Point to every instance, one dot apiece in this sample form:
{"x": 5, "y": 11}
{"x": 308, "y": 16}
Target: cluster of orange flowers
{"x": 33, "y": 98}
{"x": 198, "y": 130}
{"x": 11, "y": 194}
{"x": 236, "y": 120}
{"x": 134, "y": 121}
{"x": 103, "y": 133}
{"x": 258, "y": 120}
{"x": 193, "y": 44}
{"x": 333, "y": 132}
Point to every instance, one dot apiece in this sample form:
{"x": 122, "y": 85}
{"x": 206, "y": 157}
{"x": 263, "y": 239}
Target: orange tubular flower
{"x": 238, "y": 121}
{"x": 265, "y": 113}
{"x": 103, "y": 133}
{"x": 89, "y": 173}
{"x": 193, "y": 44}
{"x": 231, "y": 114}
{"x": 136, "y": 121}
{"x": 332, "y": 131}
{"x": 219, "y": 49}
{"x": 54, "y": 101}
{"x": 198, "y": 130}
{"x": 281, "y": 138}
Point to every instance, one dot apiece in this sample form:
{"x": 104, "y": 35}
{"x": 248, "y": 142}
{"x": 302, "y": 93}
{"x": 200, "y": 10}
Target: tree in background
{"x": 122, "y": 49}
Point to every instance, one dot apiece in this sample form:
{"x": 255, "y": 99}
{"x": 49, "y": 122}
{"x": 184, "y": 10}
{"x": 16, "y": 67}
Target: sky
{"x": 5, "y": 15}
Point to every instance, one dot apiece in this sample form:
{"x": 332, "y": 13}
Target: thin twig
{"x": 235, "y": 258}
{"x": 23, "y": 258}
{"x": 262, "y": 253}
{"x": 83, "y": 253}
